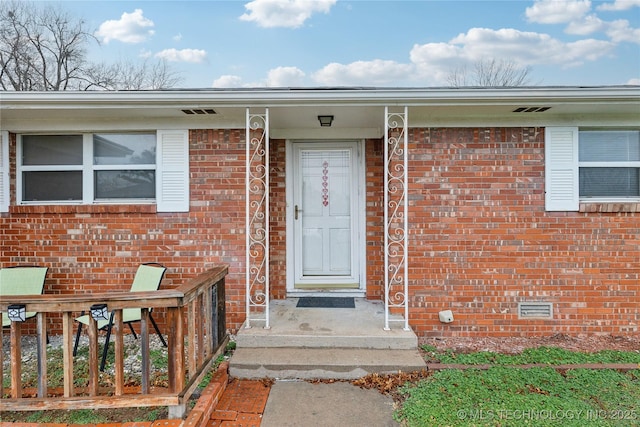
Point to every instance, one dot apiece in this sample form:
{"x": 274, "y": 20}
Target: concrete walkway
{"x": 300, "y": 403}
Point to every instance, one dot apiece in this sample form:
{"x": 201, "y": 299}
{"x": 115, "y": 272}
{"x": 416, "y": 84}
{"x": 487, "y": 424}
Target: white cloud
{"x": 177, "y": 37}
{"x": 620, "y": 31}
{"x": 434, "y": 61}
{"x": 575, "y": 14}
{"x": 183, "y": 55}
{"x": 144, "y": 53}
{"x": 131, "y": 28}
{"x": 285, "y": 77}
{"x": 284, "y": 13}
{"x": 227, "y": 81}
{"x": 377, "y": 72}
{"x": 557, "y": 12}
{"x": 587, "y": 25}
{"x": 634, "y": 81}
{"x": 619, "y": 5}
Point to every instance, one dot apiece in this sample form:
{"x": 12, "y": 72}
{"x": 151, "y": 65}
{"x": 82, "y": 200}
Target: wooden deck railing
{"x": 195, "y": 330}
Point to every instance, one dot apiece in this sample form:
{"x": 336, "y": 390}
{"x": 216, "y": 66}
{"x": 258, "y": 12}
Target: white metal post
{"x": 396, "y": 272}
{"x": 257, "y": 215}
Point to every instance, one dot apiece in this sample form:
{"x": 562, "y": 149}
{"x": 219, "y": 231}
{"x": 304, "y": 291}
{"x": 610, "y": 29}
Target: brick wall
{"x": 480, "y": 239}
{"x": 97, "y": 248}
{"x": 481, "y": 242}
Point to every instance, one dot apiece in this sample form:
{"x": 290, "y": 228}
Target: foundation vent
{"x": 535, "y": 310}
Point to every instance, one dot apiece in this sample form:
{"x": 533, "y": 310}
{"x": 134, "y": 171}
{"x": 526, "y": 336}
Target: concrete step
{"x": 322, "y": 363}
{"x": 362, "y": 327}
{"x": 373, "y": 338}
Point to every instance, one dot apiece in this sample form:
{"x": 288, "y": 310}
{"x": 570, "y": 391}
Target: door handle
{"x": 296, "y": 210}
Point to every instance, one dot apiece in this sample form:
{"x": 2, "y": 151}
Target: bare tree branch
{"x": 490, "y": 73}
{"x": 46, "y": 49}
{"x": 125, "y": 75}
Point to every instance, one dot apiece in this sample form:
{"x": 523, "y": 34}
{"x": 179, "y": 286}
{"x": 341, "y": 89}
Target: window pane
{"x": 132, "y": 184}
{"x": 609, "y": 146}
{"x": 52, "y": 186}
{"x": 51, "y": 150}
{"x": 609, "y": 182}
{"x": 124, "y": 149}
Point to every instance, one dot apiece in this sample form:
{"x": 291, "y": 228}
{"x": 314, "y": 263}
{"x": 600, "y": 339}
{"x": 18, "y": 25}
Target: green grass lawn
{"x": 539, "y": 355}
{"x": 510, "y": 396}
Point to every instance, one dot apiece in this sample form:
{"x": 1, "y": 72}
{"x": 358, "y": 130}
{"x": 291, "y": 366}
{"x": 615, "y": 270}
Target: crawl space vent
{"x": 200, "y": 111}
{"x": 535, "y": 310}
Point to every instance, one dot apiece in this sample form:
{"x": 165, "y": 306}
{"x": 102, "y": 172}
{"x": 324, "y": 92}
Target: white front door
{"x": 326, "y": 216}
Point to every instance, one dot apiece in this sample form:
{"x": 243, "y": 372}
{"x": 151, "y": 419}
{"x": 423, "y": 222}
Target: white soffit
{"x": 298, "y": 108}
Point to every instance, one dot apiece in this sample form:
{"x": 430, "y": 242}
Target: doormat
{"x": 326, "y": 302}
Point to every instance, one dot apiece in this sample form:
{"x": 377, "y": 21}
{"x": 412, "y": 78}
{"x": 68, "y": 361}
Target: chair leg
{"x": 132, "y": 330}
{"x": 75, "y": 347}
{"x": 155, "y": 326}
{"x": 105, "y": 350}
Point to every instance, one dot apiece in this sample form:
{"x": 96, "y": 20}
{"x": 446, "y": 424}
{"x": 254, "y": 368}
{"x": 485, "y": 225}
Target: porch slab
{"x": 325, "y": 343}
{"x": 359, "y": 327}
{"x": 321, "y": 363}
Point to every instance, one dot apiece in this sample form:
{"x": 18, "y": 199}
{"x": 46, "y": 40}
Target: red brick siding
{"x": 481, "y": 241}
{"x": 278, "y": 220}
{"x": 374, "y": 183}
{"x": 97, "y": 248}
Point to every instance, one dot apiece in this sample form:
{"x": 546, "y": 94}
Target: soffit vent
{"x": 531, "y": 109}
{"x": 201, "y": 111}
{"x": 535, "y": 310}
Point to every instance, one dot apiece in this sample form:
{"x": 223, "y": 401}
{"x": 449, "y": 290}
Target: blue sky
{"x": 273, "y": 43}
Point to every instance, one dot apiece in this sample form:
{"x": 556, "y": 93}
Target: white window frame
{"x": 4, "y": 171}
{"x": 562, "y": 170}
{"x": 87, "y": 168}
{"x": 608, "y": 165}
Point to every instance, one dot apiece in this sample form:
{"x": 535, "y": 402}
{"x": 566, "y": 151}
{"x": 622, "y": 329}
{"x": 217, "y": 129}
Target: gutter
{"x": 290, "y": 97}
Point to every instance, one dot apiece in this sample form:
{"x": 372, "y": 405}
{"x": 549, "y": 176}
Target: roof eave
{"x": 333, "y": 96}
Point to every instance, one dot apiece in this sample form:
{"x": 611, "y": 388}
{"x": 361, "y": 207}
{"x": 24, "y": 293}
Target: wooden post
{"x": 192, "y": 348}
{"x": 208, "y": 321}
{"x": 119, "y": 348}
{"x": 92, "y": 332}
{"x": 1, "y": 359}
{"x": 175, "y": 319}
{"x": 200, "y": 311}
{"x": 42, "y": 354}
{"x": 16, "y": 361}
{"x": 176, "y": 349}
{"x": 67, "y": 353}
{"x": 144, "y": 343}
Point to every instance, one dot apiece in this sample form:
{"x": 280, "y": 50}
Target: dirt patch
{"x": 515, "y": 345}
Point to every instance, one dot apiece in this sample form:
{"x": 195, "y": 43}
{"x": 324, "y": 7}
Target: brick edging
{"x": 200, "y": 414}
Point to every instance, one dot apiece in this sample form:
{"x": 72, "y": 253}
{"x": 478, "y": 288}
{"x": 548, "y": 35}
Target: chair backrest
{"x": 22, "y": 280}
{"x": 148, "y": 277}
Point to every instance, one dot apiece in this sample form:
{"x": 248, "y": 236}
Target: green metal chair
{"x": 147, "y": 278}
{"x": 21, "y": 280}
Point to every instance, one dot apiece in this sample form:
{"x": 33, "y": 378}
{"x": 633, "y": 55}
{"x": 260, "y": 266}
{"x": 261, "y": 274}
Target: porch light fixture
{"x": 99, "y": 312}
{"x": 17, "y": 312}
{"x": 325, "y": 121}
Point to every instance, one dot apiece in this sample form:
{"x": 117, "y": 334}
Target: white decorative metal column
{"x": 257, "y": 218}
{"x": 396, "y": 275}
